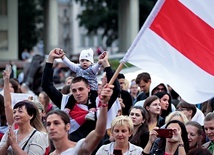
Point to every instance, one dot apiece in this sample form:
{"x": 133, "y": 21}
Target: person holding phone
{"x": 176, "y": 145}
{"x": 122, "y": 129}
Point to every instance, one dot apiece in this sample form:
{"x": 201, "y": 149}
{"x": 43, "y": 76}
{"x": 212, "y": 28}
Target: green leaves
{"x": 100, "y": 14}
{"x": 30, "y": 14}
{"x": 103, "y": 14}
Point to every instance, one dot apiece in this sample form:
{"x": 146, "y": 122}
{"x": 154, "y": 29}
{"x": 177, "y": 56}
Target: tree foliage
{"x": 103, "y": 14}
{"x": 100, "y": 15}
{"x": 30, "y": 17}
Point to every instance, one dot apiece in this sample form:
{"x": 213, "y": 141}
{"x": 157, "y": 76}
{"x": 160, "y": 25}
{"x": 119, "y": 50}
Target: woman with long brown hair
{"x": 140, "y": 134}
{"x": 152, "y": 106}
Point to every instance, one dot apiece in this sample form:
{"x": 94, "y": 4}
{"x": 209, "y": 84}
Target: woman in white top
{"x": 121, "y": 128}
{"x": 30, "y": 137}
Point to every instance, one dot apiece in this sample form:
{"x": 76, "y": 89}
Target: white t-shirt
{"x": 75, "y": 150}
{"x": 198, "y": 117}
{"x": 36, "y": 145}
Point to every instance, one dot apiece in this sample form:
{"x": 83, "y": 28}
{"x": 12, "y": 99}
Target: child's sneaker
{"x": 90, "y": 116}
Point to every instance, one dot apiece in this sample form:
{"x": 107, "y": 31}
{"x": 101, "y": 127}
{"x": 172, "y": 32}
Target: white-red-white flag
{"x": 176, "y": 43}
{"x": 79, "y": 111}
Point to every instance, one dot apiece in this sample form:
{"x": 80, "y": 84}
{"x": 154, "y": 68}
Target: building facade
{"x": 62, "y": 28}
{"x": 8, "y": 29}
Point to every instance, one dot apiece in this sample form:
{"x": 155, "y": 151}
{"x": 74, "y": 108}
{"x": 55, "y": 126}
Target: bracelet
{"x": 180, "y": 145}
{"x": 102, "y": 104}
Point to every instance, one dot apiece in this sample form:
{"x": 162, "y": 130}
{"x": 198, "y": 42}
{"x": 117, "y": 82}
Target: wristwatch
{"x": 180, "y": 145}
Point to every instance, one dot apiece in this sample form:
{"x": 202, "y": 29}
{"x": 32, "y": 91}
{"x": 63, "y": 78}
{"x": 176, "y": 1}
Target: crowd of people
{"x": 109, "y": 118}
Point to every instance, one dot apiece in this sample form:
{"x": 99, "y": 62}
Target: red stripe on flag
{"x": 78, "y": 114}
{"x": 187, "y": 33}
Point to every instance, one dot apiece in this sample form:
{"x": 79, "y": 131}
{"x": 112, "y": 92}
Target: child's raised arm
{"x": 69, "y": 63}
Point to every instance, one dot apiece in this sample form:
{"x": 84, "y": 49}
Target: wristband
{"x": 102, "y": 104}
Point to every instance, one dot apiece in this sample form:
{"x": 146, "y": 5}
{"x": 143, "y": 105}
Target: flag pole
{"x": 119, "y": 68}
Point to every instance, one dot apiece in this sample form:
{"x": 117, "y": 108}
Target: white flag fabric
{"x": 176, "y": 43}
{"x": 112, "y": 112}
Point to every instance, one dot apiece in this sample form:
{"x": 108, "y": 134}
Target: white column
{"x": 9, "y": 23}
{"x": 128, "y": 23}
{"x": 53, "y": 33}
{"x": 75, "y": 29}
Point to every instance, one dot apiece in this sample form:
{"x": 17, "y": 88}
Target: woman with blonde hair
{"x": 121, "y": 128}
{"x": 176, "y": 115}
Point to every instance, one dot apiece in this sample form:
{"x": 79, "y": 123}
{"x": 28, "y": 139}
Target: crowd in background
{"x": 134, "y": 112}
